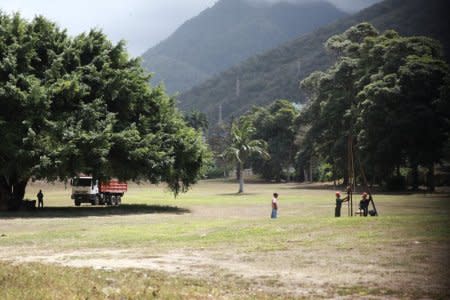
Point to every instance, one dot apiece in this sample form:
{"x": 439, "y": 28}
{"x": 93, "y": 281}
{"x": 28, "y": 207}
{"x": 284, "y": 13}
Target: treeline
{"x": 387, "y": 94}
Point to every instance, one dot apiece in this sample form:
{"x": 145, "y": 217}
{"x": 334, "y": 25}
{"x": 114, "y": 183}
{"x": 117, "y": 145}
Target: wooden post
{"x": 353, "y": 183}
{"x": 351, "y": 173}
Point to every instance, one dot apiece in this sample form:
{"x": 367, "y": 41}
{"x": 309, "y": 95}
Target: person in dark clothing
{"x": 364, "y": 204}
{"x": 40, "y": 197}
{"x": 339, "y": 201}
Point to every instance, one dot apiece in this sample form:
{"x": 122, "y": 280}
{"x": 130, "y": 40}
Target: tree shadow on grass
{"x": 236, "y": 194}
{"x": 94, "y": 211}
{"x": 360, "y": 189}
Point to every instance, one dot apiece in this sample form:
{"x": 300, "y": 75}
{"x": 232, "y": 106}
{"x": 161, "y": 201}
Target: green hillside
{"x": 276, "y": 74}
{"x": 228, "y": 33}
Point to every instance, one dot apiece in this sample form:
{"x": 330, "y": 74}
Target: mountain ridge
{"x": 228, "y": 33}
{"x": 276, "y": 73}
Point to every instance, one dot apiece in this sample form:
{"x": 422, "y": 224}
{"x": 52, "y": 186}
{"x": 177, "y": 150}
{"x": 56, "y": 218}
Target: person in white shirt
{"x": 274, "y": 206}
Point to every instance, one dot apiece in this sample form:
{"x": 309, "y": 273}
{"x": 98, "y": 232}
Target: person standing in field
{"x": 40, "y": 197}
{"x": 274, "y": 206}
{"x": 339, "y": 201}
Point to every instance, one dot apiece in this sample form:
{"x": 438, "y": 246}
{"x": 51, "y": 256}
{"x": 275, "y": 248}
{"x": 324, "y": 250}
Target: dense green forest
{"x": 386, "y": 95}
{"x": 386, "y": 99}
{"x": 228, "y": 33}
{"x": 277, "y": 73}
{"x": 73, "y": 105}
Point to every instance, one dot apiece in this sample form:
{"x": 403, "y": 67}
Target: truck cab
{"x": 85, "y": 190}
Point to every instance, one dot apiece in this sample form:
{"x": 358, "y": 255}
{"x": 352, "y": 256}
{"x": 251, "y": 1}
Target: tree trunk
{"x": 415, "y": 177}
{"x": 300, "y": 176}
{"x": 238, "y": 171}
{"x": 18, "y": 194}
{"x": 346, "y": 179}
{"x": 4, "y": 198}
{"x": 241, "y": 179}
{"x": 5, "y": 193}
{"x": 334, "y": 175}
{"x": 11, "y": 193}
{"x": 430, "y": 181}
{"x": 305, "y": 174}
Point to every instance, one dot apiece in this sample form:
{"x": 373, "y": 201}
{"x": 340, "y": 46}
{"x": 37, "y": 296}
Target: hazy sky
{"x": 142, "y": 23}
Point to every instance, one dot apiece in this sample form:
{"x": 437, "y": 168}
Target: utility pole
{"x": 299, "y": 64}
{"x": 220, "y": 114}
{"x": 238, "y": 87}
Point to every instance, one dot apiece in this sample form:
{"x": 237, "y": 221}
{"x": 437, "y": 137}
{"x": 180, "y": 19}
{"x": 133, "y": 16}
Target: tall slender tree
{"x": 242, "y": 145}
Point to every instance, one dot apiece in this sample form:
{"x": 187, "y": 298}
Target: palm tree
{"x": 242, "y": 146}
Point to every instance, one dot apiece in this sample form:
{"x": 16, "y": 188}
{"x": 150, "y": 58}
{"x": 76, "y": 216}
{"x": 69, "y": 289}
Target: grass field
{"x": 214, "y": 244}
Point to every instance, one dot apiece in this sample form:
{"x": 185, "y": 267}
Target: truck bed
{"x": 113, "y": 186}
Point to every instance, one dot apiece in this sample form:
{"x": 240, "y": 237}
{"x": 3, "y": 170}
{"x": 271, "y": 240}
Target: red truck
{"x": 87, "y": 190}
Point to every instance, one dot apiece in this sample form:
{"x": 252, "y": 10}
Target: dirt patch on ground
{"x": 301, "y": 272}
{"x": 323, "y": 257}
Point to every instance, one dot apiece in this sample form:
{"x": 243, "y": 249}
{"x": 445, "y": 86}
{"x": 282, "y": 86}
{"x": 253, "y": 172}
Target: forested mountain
{"x": 228, "y": 33}
{"x": 276, "y": 74}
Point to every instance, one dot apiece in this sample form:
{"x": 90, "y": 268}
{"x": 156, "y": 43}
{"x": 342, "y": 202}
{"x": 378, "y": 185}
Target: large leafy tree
{"x": 242, "y": 145}
{"x": 275, "y": 125}
{"x": 400, "y": 119}
{"x": 330, "y": 113}
{"x": 71, "y": 105}
{"x": 383, "y": 92}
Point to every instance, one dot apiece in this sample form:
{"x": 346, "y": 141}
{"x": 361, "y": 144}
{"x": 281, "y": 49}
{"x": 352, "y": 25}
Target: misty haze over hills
{"x": 228, "y": 33}
{"x": 346, "y": 5}
{"x": 276, "y": 74}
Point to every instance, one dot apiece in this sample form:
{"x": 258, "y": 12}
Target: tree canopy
{"x": 72, "y": 105}
{"x": 197, "y": 120}
{"x": 275, "y": 125}
{"x": 386, "y": 91}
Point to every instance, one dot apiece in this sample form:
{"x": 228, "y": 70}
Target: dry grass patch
{"x": 211, "y": 239}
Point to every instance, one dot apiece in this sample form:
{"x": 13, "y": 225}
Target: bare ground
{"x": 404, "y": 269}
{"x": 299, "y": 272}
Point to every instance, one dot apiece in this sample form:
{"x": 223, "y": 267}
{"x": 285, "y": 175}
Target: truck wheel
{"x": 96, "y": 201}
{"x": 119, "y": 200}
{"x": 101, "y": 199}
{"x": 114, "y": 200}
{"x": 77, "y": 203}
